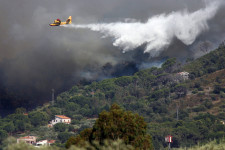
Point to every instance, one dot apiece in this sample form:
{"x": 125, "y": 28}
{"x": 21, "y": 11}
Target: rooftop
{"x": 28, "y": 137}
{"x": 62, "y": 116}
{"x": 51, "y": 141}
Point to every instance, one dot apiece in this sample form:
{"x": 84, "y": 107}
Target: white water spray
{"x": 159, "y": 31}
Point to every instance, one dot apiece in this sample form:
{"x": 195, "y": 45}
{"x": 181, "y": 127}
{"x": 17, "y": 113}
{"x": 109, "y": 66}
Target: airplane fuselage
{"x": 58, "y": 22}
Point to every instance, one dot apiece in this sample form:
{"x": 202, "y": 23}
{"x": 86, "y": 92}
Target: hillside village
{"x": 32, "y": 140}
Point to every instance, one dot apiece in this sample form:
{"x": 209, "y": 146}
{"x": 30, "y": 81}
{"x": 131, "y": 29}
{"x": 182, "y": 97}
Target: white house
{"x": 184, "y": 75}
{"x": 44, "y": 143}
{"x": 27, "y": 139}
{"x": 61, "y": 119}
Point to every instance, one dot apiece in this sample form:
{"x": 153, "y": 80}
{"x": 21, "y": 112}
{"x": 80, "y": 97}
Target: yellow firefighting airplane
{"x": 58, "y": 22}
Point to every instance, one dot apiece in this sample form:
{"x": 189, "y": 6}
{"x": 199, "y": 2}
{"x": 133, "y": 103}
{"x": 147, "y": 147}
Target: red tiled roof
{"x": 62, "y": 116}
{"x": 51, "y": 141}
{"x": 27, "y": 137}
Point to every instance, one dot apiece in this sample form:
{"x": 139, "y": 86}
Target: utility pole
{"x": 53, "y": 96}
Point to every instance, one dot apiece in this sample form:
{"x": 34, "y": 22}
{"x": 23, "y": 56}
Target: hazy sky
{"x": 34, "y": 57}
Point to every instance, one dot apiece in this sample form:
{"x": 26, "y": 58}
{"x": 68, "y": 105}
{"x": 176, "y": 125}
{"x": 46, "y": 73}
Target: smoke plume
{"x": 159, "y": 31}
{"x": 36, "y": 58}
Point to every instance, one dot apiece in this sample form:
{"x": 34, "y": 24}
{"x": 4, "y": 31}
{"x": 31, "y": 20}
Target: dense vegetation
{"x": 190, "y": 110}
{"x": 211, "y": 62}
{"x": 113, "y": 125}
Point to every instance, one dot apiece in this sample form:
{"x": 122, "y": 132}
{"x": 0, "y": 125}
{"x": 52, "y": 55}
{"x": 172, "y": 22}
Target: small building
{"x": 61, "y": 119}
{"x": 27, "y": 139}
{"x": 44, "y": 143}
{"x": 51, "y": 142}
{"x": 184, "y": 75}
{"x": 25, "y": 114}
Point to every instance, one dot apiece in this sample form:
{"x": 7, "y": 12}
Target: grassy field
{"x": 213, "y": 145}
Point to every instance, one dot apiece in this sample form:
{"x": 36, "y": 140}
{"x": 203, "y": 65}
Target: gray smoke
{"x": 34, "y": 57}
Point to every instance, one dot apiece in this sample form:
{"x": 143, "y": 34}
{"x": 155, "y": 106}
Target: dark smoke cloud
{"x": 34, "y": 58}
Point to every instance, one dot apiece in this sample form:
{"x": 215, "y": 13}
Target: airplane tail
{"x": 69, "y": 20}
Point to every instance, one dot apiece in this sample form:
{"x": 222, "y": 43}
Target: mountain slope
{"x": 157, "y": 94}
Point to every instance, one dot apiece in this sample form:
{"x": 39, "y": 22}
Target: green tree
{"x": 118, "y": 124}
{"x": 71, "y": 128}
{"x": 170, "y": 65}
{"x": 9, "y": 127}
{"x": 72, "y": 141}
{"x": 54, "y": 111}
{"x": 38, "y": 118}
{"x": 81, "y": 139}
{"x": 60, "y": 127}
{"x": 64, "y": 136}
{"x": 74, "y": 89}
{"x": 3, "y": 135}
{"x": 181, "y": 90}
{"x": 72, "y": 106}
{"x": 123, "y": 81}
{"x": 20, "y": 125}
{"x": 21, "y": 110}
